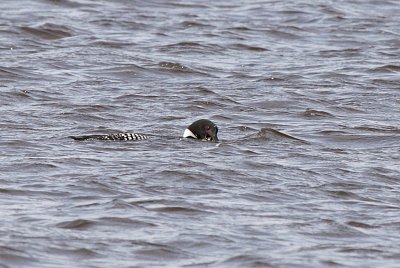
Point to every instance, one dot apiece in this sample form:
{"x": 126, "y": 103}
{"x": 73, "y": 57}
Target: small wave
{"x": 270, "y": 133}
{"x": 246, "y": 261}
{"x": 315, "y": 113}
{"x": 178, "y": 68}
{"x": 347, "y": 52}
{"x": 191, "y": 47}
{"x": 180, "y": 210}
{"x": 271, "y": 79}
{"x": 284, "y": 35}
{"x": 110, "y": 44}
{"x": 186, "y": 4}
{"x": 14, "y": 257}
{"x": 355, "y": 140}
{"x": 125, "y": 222}
{"x": 79, "y": 224}
{"x": 190, "y": 24}
{"x": 65, "y": 3}
{"x": 360, "y": 225}
{"x": 186, "y": 44}
{"x": 48, "y": 31}
{"x": 250, "y": 48}
{"x": 204, "y": 91}
{"x": 76, "y": 253}
{"x": 12, "y": 73}
{"x": 160, "y": 251}
{"x": 38, "y": 166}
{"x": 240, "y": 28}
{"x": 207, "y": 104}
{"x": 246, "y": 128}
{"x": 106, "y": 22}
{"x": 125, "y": 71}
{"x": 385, "y": 129}
{"x": 6, "y": 72}
{"x": 365, "y": 251}
{"x": 389, "y": 68}
{"x": 386, "y": 82}
{"x": 93, "y": 108}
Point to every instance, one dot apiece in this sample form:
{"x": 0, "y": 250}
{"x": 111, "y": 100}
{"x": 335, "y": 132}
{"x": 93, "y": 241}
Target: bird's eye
{"x": 208, "y": 127}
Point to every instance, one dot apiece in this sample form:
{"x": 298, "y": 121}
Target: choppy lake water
{"x": 325, "y": 72}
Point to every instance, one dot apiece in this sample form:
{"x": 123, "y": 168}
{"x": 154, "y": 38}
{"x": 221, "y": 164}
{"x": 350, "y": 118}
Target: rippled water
{"x": 324, "y": 72}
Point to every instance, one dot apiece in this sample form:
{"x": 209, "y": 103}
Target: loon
{"x": 202, "y": 129}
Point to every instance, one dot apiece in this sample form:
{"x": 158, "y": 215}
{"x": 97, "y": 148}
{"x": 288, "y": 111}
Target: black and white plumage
{"x": 202, "y": 129}
{"x": 113, "y": 137}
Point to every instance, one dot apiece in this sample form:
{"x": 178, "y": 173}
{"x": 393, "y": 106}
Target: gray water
{"x": 324, "y": 72}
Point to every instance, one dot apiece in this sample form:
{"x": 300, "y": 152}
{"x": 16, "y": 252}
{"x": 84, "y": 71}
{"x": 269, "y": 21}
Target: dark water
{"x": 325, "y": 72}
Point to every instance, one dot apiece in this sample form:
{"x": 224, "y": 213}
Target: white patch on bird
{"x": 188, "y": 134}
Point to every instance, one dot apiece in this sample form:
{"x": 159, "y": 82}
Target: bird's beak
{"x": 214, "y": 136}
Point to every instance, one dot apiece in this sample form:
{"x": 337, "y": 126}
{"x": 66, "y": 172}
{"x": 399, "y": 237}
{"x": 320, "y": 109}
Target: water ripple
{"x": 305, "y": 96}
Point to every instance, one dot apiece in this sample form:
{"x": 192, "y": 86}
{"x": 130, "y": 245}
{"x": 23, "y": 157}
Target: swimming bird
{"x": 202, "y": 129}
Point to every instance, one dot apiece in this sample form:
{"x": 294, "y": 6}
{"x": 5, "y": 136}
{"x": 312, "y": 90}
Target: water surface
{"x": 324, "y": 72}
